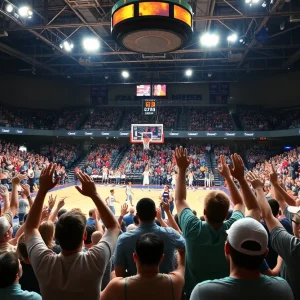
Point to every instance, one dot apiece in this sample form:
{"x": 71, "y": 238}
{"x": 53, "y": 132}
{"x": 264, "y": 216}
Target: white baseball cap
{"x": 293, "y": 209}
{"x": 248, "y": 229}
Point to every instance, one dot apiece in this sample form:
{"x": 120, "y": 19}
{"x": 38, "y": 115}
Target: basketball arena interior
{"x": 111, "y": 88}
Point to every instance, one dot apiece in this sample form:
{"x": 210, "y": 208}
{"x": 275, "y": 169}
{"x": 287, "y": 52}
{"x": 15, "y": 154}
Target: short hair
{"x": 90, "y": 229}
{"x": 96, "y": 237}
{"x": 70, "y": 229}
{"x": 146, "y": 210}
{"x": 46, "y": 230}
{"x": 21, "y": 248}
{"x": 274, "y": 207}
{"x": 248, "y": 262}
{"x": 149, "y": 249}
{"x": 111, "y": 191}
{"x": 194, "y": 212}
{"x": 136, "y": 220}
{"x": 202, "y": 218}
{"x": 216, "y": 205}
{"x": 60, "y": 212}
{"x": 9, "y": 268}
{"x": 91, "y": 212}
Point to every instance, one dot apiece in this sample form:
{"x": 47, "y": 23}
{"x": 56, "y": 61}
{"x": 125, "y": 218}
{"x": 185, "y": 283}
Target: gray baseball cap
{"x": 4, "y": 227}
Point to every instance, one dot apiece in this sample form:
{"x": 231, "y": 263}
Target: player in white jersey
{"x": 191, "y": 179}
{"x": 104, "y": 174}
{"x": 146, "y": 178}
{"x": 129, "y": 193}
{"x": 174, "y": 178}
{"x": 110, "y": 201}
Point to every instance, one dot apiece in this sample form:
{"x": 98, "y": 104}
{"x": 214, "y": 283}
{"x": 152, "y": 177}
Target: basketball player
{"x": 110, "y": 200}
{"x": 104, "y": 174}
{"x": 174, "y": 178}
{"x": 129, "y": 193}
{"x": 191, "y": 179}
{"x": 166, "y": 196}
{"x": 146, "y": 178}
{"x": 211, "y": 178}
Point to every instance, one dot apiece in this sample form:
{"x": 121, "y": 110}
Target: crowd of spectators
{"x": 210, "y": 118}
{"x": 15, "y": 160}
{"x": 40, "y": 119}
{"x": 165, "y": 115}
{"x": 103, "y": 119}
{"x": 261, "y": 119}
{"x": 221, "y": 255}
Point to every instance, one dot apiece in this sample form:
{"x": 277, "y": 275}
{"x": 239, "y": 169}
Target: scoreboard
{"x": 149, "y": 107}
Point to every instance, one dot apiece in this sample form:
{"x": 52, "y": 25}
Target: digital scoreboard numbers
{"x": 149, "y": 107}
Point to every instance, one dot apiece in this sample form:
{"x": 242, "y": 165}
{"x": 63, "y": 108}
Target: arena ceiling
{"x": 32, "y": 46}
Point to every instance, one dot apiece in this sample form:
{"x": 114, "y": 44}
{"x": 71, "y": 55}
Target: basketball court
{"x": 76, "y": 200}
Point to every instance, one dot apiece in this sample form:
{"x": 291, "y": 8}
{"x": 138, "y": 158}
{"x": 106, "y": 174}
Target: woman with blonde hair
{"x": 47, "y": 230}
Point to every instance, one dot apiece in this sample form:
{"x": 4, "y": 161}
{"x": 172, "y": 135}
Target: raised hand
{"x": 223, "y": 170}
{"x": 61, "y": 202}
{"x": 17, "y": 179}
{"x": 4, "y": 191}
{"x": 158, "y": 213}
{"x": 51, "y": 201}
{"x": 182, "y": 159}
{"x": 165, "y": 206}
{"x": 26, "y": 189}
{"x": 254, "y": 180}
{"x": 272, "y": 173}
{"x": 124, "y": 209}
{"x": 238, "y": 169}
{"x": 45, "y": 213}
{"x": 88, "y": 187}
{"x": 46, "y": 178}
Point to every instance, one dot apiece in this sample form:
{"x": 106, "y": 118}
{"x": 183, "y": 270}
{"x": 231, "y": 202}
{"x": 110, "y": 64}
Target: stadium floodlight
{"x": 91, "y": 44}
{"x": 23, "y": 149}
{"x": 250, "y": 2}
{"x": 67, "y": 46}
{"x": 232, "y": 38}
{"x": 25, "y": 12}
{"x": 9, "y": 8}
{"x": 188, "y": 72}
{"x": 125, "y": 74}
{"x": 209, "y": 40}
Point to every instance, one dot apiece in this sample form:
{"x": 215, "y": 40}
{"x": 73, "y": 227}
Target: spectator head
{"x": 194, "y": 212}
{"x": 96, "y": 237}
{"x": 146, "y": 210}
{"x": 60, "y": 212}
{"x": 6, "y": 230}
{"x": 149, "y": 250}
{"x": 136, "y": 221}
{"x": 131, "y": 227}
{"x": 22, "y": 250}
{"x": 202, "y": 218}
{"x": 131, "y": 210}
{"x": 230, "y": 211}
{"x": 247, "y": 244}
{"x": 92, "y": 213}
{"x": 10, "y": 269}
{"x": 88, "y": 237}
{"x": 216, "y": 206}
{"x": 46, "y": 230}
{"x": 70, "y": 230}
{"x": 274, "y": 207}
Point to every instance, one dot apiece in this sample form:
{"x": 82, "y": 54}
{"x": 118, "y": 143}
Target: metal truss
{"x": 60, "y": 20}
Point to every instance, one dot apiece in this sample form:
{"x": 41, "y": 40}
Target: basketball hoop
{"x": 146, "y": 143}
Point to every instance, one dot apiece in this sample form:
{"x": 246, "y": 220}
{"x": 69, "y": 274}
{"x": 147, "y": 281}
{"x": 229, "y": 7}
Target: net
{"x": 146, "y": 143}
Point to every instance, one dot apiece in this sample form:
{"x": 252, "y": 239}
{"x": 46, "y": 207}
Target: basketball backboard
{"x": 153, "y": 131}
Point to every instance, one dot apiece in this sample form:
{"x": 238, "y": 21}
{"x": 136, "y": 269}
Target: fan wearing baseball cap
{"x": 245, "y": 249}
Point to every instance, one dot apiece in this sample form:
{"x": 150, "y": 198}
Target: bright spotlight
{"x": 232, "y": 38}
{"x": 209, "y": 40}
{"x": 23, "y": 149}
{"x": 125, "y": 74}
{"x": 188, "y": 72}
{"x": 91, "y": 44}
{"x": 67, "y": 46}
{"x": 25, "y": 12}
{"x": 9, "y": 8}
{"x": 250, "y": 2}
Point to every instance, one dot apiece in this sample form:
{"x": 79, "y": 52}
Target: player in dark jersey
{"x": 166, "y": 196}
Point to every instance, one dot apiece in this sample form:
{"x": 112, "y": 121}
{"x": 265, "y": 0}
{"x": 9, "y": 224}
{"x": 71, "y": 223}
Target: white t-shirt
{"x": 75, "y": 277}
{"x": 111, "y": 200}
{"x": 128, "y": 191}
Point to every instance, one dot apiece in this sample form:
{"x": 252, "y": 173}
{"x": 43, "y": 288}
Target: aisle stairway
{"x": 182, "y": 121}
{"x": 218, "y": 179}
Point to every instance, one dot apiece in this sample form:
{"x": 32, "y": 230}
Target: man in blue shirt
{"x": 91, "y": 220}
{"x": 146, "y": 213}
{"x": 129, "y": 218}
{"x": 10, "y": 273}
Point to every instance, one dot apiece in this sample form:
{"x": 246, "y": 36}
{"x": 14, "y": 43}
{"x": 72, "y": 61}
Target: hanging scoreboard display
{"x": 149, "y": 107}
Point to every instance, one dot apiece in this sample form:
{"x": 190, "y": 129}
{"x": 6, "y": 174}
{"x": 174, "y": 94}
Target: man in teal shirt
{"x": 246, "y": 248}
{"x": 10, "y": 273}
{"x": 205, "y": 240}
